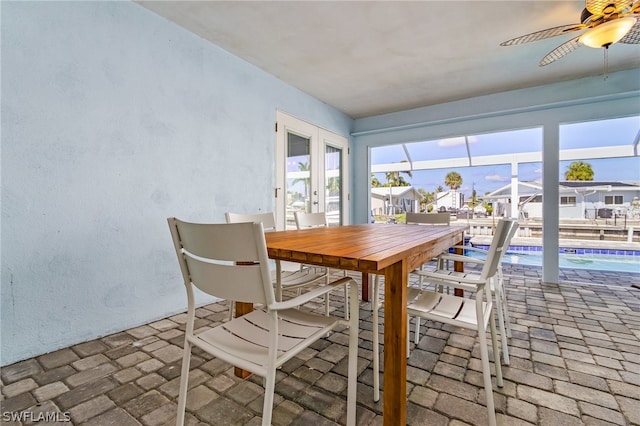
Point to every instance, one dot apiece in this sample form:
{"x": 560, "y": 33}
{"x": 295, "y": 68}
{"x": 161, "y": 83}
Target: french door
{"x": 311, "y": 172}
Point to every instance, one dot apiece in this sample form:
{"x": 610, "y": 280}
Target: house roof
{"x": 404, "y": 192}
{"x": 524, "y": 188}
{"x": 588, "y": 184}
{"x": 535, "y": 188}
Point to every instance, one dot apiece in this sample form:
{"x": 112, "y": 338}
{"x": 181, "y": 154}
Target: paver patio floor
{"x": 575, "y": 359}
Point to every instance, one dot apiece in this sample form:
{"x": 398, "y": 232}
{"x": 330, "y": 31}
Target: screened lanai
{"x": 514, "y": 159}
{"x": 491, "y": 159}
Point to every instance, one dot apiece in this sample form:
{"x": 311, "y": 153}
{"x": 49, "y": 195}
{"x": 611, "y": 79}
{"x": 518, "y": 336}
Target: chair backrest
{"x": 505, "y": 230}
{"x": 229, "y": 261}
{"x": 310, "y": 220}
{"x": 428, "y": 218}
{"x": 268, "y": 219}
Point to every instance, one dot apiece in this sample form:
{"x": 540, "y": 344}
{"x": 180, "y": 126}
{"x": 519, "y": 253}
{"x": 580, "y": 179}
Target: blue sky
{"x": 621, "y": 131}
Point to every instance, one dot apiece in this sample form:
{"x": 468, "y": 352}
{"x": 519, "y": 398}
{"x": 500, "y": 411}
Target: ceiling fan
{"x": 607, "y": 22}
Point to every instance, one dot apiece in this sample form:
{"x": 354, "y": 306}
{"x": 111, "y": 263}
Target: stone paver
{"x": 91, "y": 408}
{"x": 50, "y": 391}
{"x": 575, "y": 359}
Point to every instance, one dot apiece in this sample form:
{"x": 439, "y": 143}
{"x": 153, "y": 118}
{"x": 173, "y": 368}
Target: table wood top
{"x": 366, "y": 247}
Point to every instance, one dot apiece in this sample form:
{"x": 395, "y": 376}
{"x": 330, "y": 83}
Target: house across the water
{"x": 389, "y": 200}
{"x": 578, "y": 199}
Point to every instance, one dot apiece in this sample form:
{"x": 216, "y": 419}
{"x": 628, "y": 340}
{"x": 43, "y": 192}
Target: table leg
{"x": 365, "y": 287}
{"x": 394, "y": 408}
{"x": 241, "y": 309}
{"x": 459, "y": 267}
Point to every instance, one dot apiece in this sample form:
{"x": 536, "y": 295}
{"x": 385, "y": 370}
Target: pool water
{"x": 580, "y": 261}
{"x": 576, "y": 261}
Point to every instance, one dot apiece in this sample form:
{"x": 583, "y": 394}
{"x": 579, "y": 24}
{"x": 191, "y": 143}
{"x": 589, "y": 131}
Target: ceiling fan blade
{"x": 599, "y": 7}
{"x": 633, "y": 36}
{"x": 541, "y": 35}
{"x": 560, "y": 51}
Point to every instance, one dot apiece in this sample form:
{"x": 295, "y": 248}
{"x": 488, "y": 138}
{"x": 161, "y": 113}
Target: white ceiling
{"x": 373, "y": 57}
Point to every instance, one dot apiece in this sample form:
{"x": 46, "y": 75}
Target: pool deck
{"x": 575, "y": 360}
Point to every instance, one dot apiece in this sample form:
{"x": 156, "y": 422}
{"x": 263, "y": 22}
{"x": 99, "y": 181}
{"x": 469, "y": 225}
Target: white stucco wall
{"x": 114, "y": 119}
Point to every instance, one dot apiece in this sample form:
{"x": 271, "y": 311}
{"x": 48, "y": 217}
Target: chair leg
{"x": 346, "y": 300}
{"x": 184, "y": 381}
{"x": 416, "y": 337}
{"x": 486, "y": 374}
{"x": 496, "y": 351}
{"x": 326, "y": 305}
{"x": 501, "y": 323}
{"x": 375, "y": 304}
{"x": 232, "y": 304}
{"x": 269, "y": 388}
{"x": 503, "y": 336}
{"x": 503, "y": 301}
{"x": 408, "y": 337}
{"x": 354, "y": 329}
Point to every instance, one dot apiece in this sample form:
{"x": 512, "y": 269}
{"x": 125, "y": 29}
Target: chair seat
{"x": 447, "y": 308}
{"x": 462, "y": 276}
{"x": 464, "y": 280}
{"x": 244, "y": 341}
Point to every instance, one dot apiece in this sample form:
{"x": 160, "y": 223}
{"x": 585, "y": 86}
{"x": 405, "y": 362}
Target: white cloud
{"x": 496, "y": 178}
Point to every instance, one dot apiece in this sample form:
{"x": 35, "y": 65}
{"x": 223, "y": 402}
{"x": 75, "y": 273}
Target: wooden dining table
{"x": 392, "y": 250}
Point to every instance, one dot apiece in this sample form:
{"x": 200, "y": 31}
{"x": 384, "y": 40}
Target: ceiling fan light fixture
{"x": 607, "y": 33}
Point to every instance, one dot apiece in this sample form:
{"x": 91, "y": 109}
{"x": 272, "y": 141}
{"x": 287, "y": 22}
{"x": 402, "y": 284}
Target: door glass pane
{"x": 333, "y": 185}
{"x": 298, "y": 176}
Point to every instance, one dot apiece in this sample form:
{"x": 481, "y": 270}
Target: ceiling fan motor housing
{"x": 585, "y": 16}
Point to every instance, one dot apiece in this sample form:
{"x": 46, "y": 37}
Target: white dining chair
{"x": 474, "y": 313}
{"x": 441, "y": 219}
{"x": 497, "y": 283}
{"x": 310, "y": 220}
{"x": 230, "y": 261}
{"x": 306, "y": 220}
{"x": 428, "y": 218}
{"x": 287, "y": 275}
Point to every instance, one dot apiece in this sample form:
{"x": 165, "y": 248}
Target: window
{"x": 613, "y": 199}
{"x": 568, "y": 200}
{"x": 536, "y": 199}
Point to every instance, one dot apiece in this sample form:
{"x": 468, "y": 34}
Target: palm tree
{"x": 395, "y": 179}
{"x": 333, "y": 185}
{"x": 453, "y": 180}
{"x": 427, "y": 197}
{"x": 474, "y": 198}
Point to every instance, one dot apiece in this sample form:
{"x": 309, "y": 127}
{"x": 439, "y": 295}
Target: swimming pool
{"x": 597, "y": 262}
{"x": 579, "y": 261}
